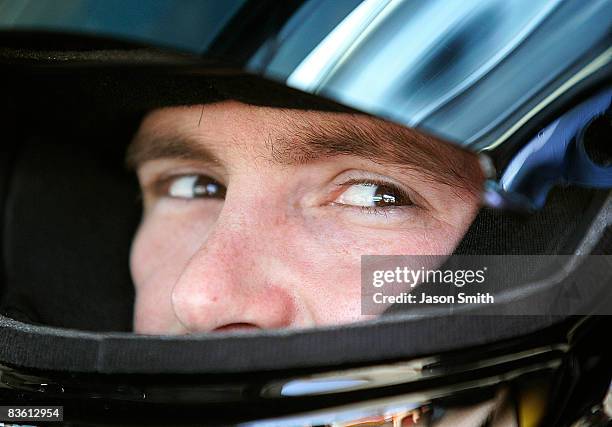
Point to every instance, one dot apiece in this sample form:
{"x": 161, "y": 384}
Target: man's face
{"x": 257, "y": 217}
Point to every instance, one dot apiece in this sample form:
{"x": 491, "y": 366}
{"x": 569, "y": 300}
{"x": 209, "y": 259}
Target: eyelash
{"x": 373, "y": 210}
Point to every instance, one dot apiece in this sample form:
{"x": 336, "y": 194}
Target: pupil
{"x": 385, "y": 196}
{"x": 208, "y": 188}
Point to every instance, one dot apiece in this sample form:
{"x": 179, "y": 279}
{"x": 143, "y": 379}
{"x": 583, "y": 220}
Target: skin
{"x": 282, "y": 247}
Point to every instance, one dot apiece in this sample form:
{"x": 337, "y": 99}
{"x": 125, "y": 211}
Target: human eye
{"x": 192, "y": 187}
{"x": 372, "y": 196}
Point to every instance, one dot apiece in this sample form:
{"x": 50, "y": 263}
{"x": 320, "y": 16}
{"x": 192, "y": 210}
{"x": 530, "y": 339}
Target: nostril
{"x": 236, "y": 327}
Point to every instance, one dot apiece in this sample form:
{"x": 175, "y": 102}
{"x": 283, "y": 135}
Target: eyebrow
{"x": 304, "y": 141}
{"x": 146, "y": 147}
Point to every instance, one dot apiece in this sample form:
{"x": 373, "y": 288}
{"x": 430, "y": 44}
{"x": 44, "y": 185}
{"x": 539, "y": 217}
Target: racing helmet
{"x": 525, "y": 85}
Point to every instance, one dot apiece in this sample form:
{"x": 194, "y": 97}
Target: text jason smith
{"x": 408, "y": 298}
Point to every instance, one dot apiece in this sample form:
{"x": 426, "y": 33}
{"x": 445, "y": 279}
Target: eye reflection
{"x": 372, "y": 194}
{"x": 195, "y": 186}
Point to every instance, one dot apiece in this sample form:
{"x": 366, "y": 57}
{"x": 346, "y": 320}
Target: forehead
{"x": 232, "y": 120}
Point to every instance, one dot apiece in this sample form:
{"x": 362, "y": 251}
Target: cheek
{"x": 156, "y": 252}
{"x": 328, "y": 261}
{"x": 418, "y": 234}
{"x": 161, "y": 248}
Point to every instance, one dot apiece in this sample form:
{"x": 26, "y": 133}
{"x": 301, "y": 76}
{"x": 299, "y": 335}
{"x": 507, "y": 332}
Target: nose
{"x": 223, "y": 287}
